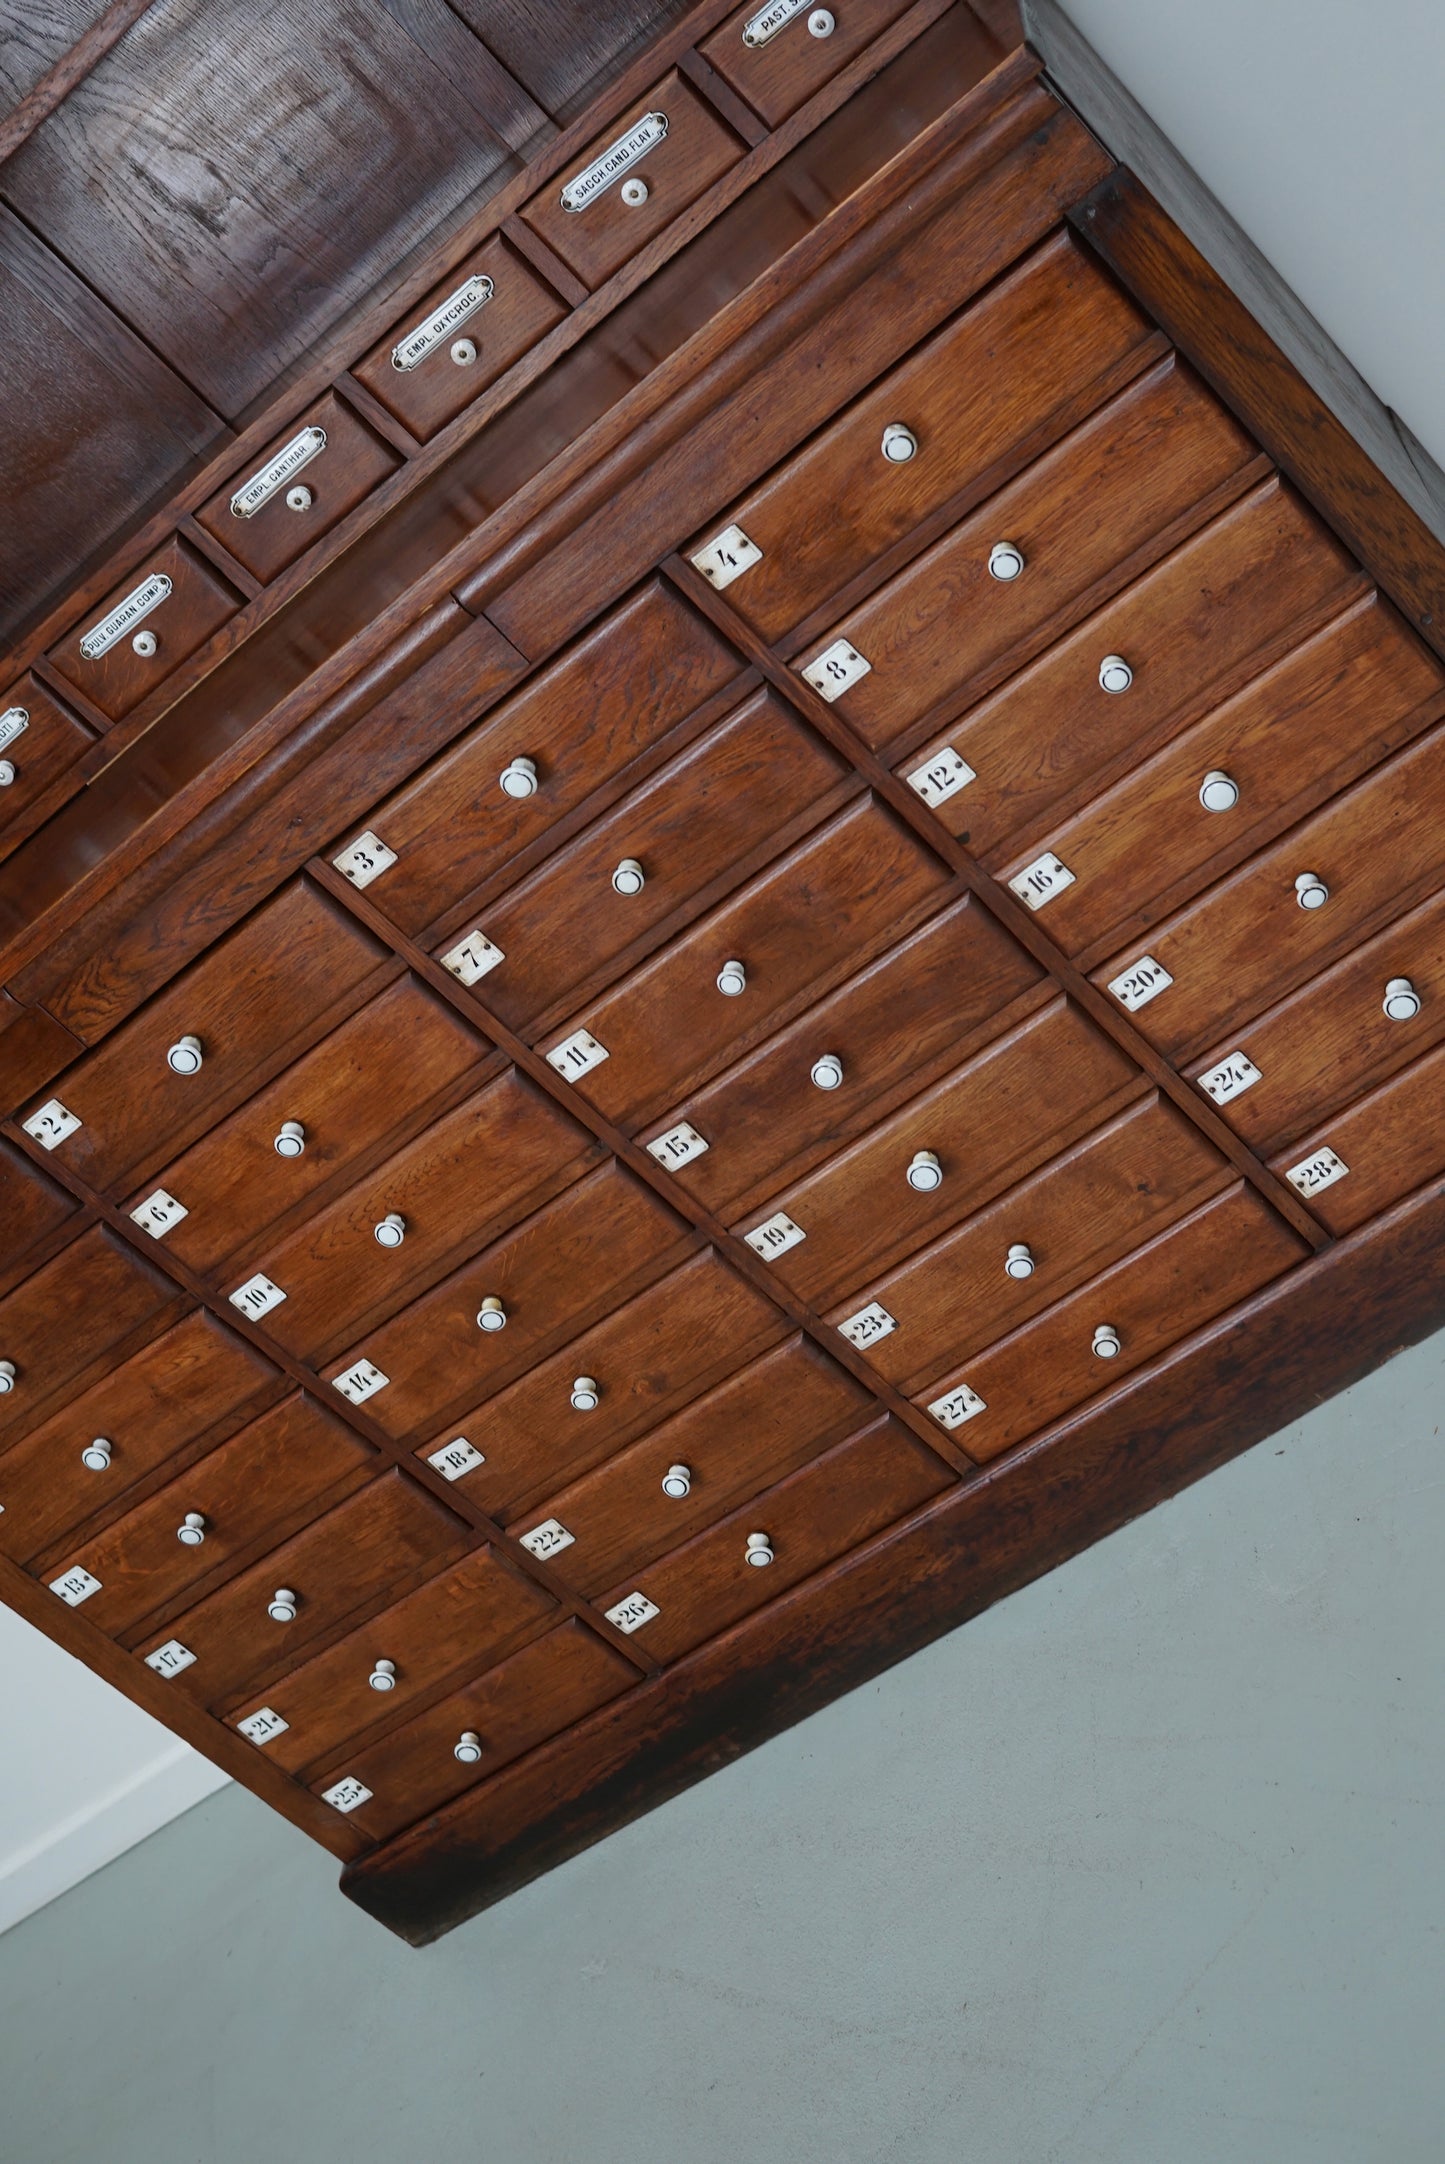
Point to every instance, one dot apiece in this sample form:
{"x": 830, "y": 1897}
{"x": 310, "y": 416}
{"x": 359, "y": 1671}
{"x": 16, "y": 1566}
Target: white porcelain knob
{"x": 585, "y": 1394}
{"x": 1019, "y": 1262}
{"x": 96, "y": 1455}
{"x": 391, "y": 1231}
{"x": 925, "y": 1172}
{"x": 291, "y": 1139}
{"x": 144, "y": 643}
{"x": 677, "y": 1482}
{"x": 759, "y": 1550}
{"x": 1402, "y": 1001}
{"x": 899, "y": 443}
{"x": 7, "y": 1376}
{"x": 732, "y": 979}
{"x": 299, "y": 498}
{"x": 1005, "y": 560}
{"x": 281, "y": 1607}
{"x": 1218, "y": 792}
{"x": 383, "y": 1676}
{"x": 828, "y": 1071}
{"x": 184, "y": 1056}
{"x": 629, "y": 877}
{"x": 468, "y": 1747}
{"x": 192, "y": 1530}
{"x": 1106, "y": 1341}
{"x": 464, "y": 352}
{"x": 1310, "y": 891}
{"x": 519, "y": 779}
{"x": 822, "y": 23}
{"x": 634, "y": 193}
{"x": 491, "y": 1315}
{"x": 7, "y": 772}
{"x": 1115, "y": 673}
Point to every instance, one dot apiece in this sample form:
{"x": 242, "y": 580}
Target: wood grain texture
{"x": 68, "y": 70}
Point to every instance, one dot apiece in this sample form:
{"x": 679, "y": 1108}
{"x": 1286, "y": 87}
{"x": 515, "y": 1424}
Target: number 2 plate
{"x": 51, "y": 1124}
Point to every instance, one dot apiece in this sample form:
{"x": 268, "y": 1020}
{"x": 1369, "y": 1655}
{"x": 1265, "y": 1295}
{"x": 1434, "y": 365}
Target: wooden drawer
{"x": 380, "y": 1069}
{"x": 1213, "y": 1258}
{"x": 1223, "y": 605}
{"x": 993, "y": 388}
{"x": 172, "y": 603}
{"x": 797, "y": 926}
{"x": 31, "y": 1207}
{"x": 259, "y": 1487}
{"x": 744, "y": 785}
{"x": 549, "y": 1685}
{"x": 327, "y": 457}
{"x": 580, "y": 722}
{"x": 75, "y": 1315}
{"x": 990, "y": 1123}
{"x": 1331, "y": 1041}
{"x": 470, "y": 1617}
{"x": 412, "y": 371}
{"x": 248, "y": 1000}
{"x": 781, "y": 72}
{"x": 666, "y": 1346}
{"x": 369, "y": 1550}
{"x": 1360, "y": 1161}
{"x": 1307, "y": 727}
{"x": 39, "y": 739}
{"x": 778, "y": 1414}
{"x": 1247, "y": 941}
{"x": 811, "y": 1519}
{"x": 1101, "y": 1199}
{"x": 476, "y": 1171}
{"x": 926, "y": 1003}
{"x": 578, "y": 1257}
{"x": 596, "y": 238}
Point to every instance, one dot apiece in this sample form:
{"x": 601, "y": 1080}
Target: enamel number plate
{"x": 76, "y": 1585}
{"x": 548, "y": 1538}
{"x": 360, "y": 1381}
{"x": 51, "y": 1124}
{"x": 261, "y": 1727}
{"x": 836, "y": 669}
{"x": 775, "y": 1237}
{"x": 472, "y": 957}
{"x": 727, "y": 557}
{"x": 257, "y": 1296}
{"x": 1320, "y": 1169}
{"x": 870, "y": 1322}
{"x": 364, "y": 860}
{"x": 1139, "y": 983}
{"x": 171, "y": 1658}
{"x": 457, "y": 1457}
{"x": 632, "y": 1611}
{"x": 1040, "y": 881}
{"x": 959, "y": 1405}
{"x": 1235, "y": 1074}
{"x": 348, "y": 1794}
{"x": 158, "y": 1213}
{"x": 576, "y": 1055}
{"x": 13, "y": 722}
{"x": 945, "y": 774}
{"x": 678, "y": 1146}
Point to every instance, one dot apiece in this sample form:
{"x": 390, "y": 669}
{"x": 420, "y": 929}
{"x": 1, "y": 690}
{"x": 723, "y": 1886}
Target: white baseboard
{"x": 103, "y": 1829}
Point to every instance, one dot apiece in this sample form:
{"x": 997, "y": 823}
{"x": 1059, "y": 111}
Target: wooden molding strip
{"x": 69, "y": 71}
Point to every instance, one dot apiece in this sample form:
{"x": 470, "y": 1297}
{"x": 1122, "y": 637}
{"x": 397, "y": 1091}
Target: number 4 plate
{"x": 727, "y": 557}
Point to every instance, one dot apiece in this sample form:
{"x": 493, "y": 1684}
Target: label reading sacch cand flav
{"x": 595, "y": 179}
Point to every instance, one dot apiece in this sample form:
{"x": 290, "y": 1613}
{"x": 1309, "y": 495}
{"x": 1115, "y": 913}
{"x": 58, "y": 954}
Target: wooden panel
{"x": 559, "y": 48}
{"x": 197, "y": 603}
{"x": 333, "y": 481}
{"x": 778, "y": 76}
{"x": 80, "y": 1311}
{"x": 31, "y": 1206}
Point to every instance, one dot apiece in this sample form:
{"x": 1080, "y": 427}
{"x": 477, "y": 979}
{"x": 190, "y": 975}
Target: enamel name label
{"x": 13, "y": 722}
{"x": 139, "y": 602}
{"x": 768, "y": 21}
{"x": 287, "y": 463}
{"x": 442, "y": 321}
{"x": 595, "y": 179}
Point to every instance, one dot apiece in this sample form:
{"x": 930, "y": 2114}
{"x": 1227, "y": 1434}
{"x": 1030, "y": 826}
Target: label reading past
{"x": 1320, "y": 1169}
{"x": 1139, "y": 983}
{"x": 595, "y": 179}
{"x": 944, "y": 775}
{"x": 277, "y": 471}
{"x": 727, "y": 557}
{"x": 768, "y": 21}
{"x": 1235, "y": 1074}
{"x": 439, "y": 325}
{"x": 138, "y": 603}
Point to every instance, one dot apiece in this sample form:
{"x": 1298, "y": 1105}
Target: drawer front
{"x": 687, "y": 827}
{"x": 666, "y": 1346}
{"x": 1333, "y": 1040}
{"x": 1307, "y": 727}
{"x": 578, "y": 1257}
{"x": 827, "y": 904}
{"x": 39, "y": 739}
{"x": 546, "y": 1687}
{"x": 579, "y": 723}
{"x": 460, "y": 338}
{"x": 1247, "y": 941}
{"x": 30, "y": 1205}
{"x": 811, "y": 1519}
{"x": 382, "y": 1066}
{"x": 1357, "y": 1163}
{"x": 1220, "y": 605}
{"x": 470, "y": 1617}
{"x": 777, "y": 65}
{"x": 371, "y": 1549}
{"x": 921, "y": 1006}
{"x": 171, "y": 603}
{"x": 993, "y": 388}
{"x": 1096, "y": 1203}
{"x": 1200, "y": 1267}
{"x": 246, "y": 1002}
{"x": 780, "y": 1413}
{"x": 298, "y": 488}
{"x": 466, "y": 1179}
{"x": 72, "y": 1317}
{"x": 258, "y": 1487}
{"x": 165, "y": 1399}
{"x": 989, "y": 1124}
{"x": 612, "y": 221}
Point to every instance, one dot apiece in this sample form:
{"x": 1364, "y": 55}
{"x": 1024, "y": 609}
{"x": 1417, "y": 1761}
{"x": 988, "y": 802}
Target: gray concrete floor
{"x": 1142, "y": 1867}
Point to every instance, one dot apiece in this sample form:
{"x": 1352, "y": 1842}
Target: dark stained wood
{"x": 33, "y": 1047}
{"x": 336, "y": 480}
{"x": 50, "y": 741}
{"x": 470, "y": 67}
{"x": 70, "y": 69}
{"x": 79, "y": 1315}
{"x": 776, "y": 78}
{"x": 1390, "y": 1144}
{"x": 31, "y": 1206}
{"x": 118, "y": 678}
{"x": 560, "y": 51}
